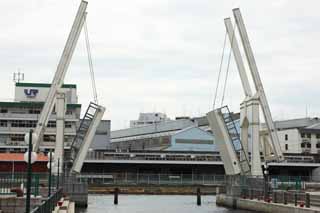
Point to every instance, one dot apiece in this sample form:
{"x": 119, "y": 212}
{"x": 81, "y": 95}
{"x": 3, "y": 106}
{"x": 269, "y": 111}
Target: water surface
{"x": 153, "y": 204}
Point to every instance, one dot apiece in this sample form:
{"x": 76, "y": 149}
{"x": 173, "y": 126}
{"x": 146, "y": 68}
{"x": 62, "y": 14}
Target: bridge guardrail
{"x": 152, "y": 179}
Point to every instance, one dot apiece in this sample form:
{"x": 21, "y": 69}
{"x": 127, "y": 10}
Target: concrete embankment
{"x": 157, "y": 190}
{"x": 261, "y": 206}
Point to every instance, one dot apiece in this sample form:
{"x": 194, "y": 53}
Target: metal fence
{"x": 10, "y": 181}
{"x": 49, "y": 204}
{"x": 152, "y": 179}
{"x": 285, "y": 190}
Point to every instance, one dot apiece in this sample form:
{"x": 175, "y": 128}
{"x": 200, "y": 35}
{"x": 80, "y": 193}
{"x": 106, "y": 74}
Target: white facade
{"x": 290, "y": 141}
{"x": 299, "y": 136}
{"x": 18, "y": 117}
{"x": 35, "y": 92}
{"x": 148, "y": 119}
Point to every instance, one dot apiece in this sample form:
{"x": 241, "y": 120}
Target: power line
{"x": 220, "y": 68}
{"x": 94, "y": 89}
{"x": 228, "y": 65}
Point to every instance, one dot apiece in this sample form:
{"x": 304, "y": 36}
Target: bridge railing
{"x": 152, "y": 179}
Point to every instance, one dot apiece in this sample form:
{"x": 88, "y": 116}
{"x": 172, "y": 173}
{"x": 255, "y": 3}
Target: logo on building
{"x": 31, "y": 93}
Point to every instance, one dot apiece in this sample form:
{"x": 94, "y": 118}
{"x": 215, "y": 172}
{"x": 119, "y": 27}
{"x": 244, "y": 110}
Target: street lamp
{"x": 29, "y": 157}
{"x": 49, "y": 165}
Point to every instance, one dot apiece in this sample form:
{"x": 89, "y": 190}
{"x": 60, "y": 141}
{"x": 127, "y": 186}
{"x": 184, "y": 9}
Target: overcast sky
{"x": 164, "y": 55}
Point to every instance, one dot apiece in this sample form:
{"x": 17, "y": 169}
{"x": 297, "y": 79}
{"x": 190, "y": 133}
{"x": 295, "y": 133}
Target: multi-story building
{"x": 299, "y": 136}
{"x": 149, "y": 118}
{"x": 19, "y": 116}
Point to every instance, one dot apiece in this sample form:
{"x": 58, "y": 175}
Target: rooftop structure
{"x": 149, "y": 118}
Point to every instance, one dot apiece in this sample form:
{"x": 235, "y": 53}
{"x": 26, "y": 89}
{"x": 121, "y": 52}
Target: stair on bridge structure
{"x": 235, "y": 141}
{"x": 90, "y": 117}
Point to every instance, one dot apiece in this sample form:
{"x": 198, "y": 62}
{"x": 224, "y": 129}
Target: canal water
{"x": 153, "y": 204}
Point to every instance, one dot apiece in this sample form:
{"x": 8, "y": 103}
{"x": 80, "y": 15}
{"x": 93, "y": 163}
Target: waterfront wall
{"x": 157, "y": 190}
{"x": 260, "y": 206}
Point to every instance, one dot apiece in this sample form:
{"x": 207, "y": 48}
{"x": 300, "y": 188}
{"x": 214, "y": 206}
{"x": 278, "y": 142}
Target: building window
{"x": 286, "y": 146}
{"x": 308, "y": 135}
{"x": 3, "y": 123}
{"x": 49, "y": 138}
{"x": 286, "y": 137}
{"x": 34, "y": 111}
{"x": 318, "y": 136}
{"x": 52, "y": 124}
{"x": 303, "y": 145}
{"x": 308, "y": 145}
{"x": 318, "y": 145}
{"x": 17, "y": 137}
{"x": 3, "y": 110}
{"x": 69, "y": 112}
{"x": 24, "y": 123}
{"x": 68, "y": 124}
{"x": 303, "y": 135}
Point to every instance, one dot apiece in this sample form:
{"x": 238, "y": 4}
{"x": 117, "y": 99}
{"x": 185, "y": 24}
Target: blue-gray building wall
{"x": 192, "y": 134}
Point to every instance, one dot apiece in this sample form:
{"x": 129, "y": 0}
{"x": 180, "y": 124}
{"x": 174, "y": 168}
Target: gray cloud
{"x": 164, "y": 54}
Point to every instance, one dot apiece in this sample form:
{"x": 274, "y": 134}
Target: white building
{"x": 299, "y": 136}
{"x": 18, "y": 117}
{"x": 149, "y": 118}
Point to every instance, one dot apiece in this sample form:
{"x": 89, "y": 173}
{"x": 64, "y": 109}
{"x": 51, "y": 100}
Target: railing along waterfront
{"x": 49, "y": 204}
{"x": 275, "y": 189}
{"x": 152, "y": 179}
{"x": 131, "y": 178}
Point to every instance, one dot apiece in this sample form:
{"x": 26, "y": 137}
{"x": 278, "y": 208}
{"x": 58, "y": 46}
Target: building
{"x": 19, "y": 116}
{"x": 102, "y": 138}
{"x": 171, "y": 135}
{"x": 149, "y": 118}
{"x": 299, "y": 136}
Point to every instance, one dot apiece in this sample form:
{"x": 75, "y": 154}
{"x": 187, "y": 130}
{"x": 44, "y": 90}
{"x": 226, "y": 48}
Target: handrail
{"x": 49, "y": 204}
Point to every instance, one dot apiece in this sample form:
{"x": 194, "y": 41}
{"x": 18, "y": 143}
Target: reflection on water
{"x": 153, "y": 204}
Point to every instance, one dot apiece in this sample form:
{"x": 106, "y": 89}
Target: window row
{"x": 304, "y": 145}
{"x": 31, "y": 124}
{"x": 31, "y": 110}
{"x": 46, "y": 138}
{"x": 308, "y": 135}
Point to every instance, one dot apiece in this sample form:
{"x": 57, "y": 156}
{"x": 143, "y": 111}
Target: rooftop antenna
{"x": 18, "y": 76}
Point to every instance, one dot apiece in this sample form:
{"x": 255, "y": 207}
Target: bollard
{"x": 217, "y": 190}
{"x": 295, "y": 199}
{"x": 307, "y": 200}
{"x": 198, "y": 197}
{"x": 116, "y": 192}
{"x": 285, "y": 198}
